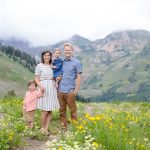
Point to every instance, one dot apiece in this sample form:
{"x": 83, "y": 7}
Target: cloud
{"x": 47, "y": 21}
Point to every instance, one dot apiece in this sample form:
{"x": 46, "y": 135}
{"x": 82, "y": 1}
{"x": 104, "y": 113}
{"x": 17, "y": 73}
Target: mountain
{"x": 13, "y": 76}
{"x": 23, "y": 45}
{"x": 116, "y": 67}
{"x": 78, "y": 41}
{"x": 130, "y": 40}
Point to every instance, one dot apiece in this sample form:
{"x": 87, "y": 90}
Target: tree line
{"x": 19, "y": 56}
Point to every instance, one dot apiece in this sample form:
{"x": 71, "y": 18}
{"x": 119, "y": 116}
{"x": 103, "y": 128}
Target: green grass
{"x": 111, "y": 126}
{"x": 13, "y": 130}
{"x": 13, "y": 76}
{"x": 100, "y": 126}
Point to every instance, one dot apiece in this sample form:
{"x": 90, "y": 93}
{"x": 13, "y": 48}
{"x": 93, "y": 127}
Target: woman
{"x": 44, "y": 79}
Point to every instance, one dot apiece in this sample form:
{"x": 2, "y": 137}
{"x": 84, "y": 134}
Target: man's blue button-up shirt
{"x": 71, "y": 67}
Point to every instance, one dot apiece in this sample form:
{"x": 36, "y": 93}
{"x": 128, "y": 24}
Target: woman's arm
{"x": 37, "y": 80}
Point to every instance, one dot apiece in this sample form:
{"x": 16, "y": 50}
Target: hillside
{"x": 13, "y": 76}
{"x": 116, "y": 67}
{"x": 125, "y": 78}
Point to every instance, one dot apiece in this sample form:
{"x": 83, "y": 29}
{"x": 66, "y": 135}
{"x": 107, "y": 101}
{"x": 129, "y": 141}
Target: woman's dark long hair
{"x": 45, "y": 52}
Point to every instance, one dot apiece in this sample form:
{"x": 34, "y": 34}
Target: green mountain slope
{"x": 13, "y": 76}
{"x": 116, "y": 67}
{"x": 126, "y": 78}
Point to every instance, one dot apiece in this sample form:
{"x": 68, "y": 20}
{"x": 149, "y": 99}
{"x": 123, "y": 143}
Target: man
{"x": 69, "y": 85}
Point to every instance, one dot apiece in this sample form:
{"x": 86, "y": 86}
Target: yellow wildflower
{"x": 60, "y": 148}
{"x": 95, "y": 144}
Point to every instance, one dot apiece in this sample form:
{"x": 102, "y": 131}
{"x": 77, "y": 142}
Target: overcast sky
{"x": 49, "y": 21}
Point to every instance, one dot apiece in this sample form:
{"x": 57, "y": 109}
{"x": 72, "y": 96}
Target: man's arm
{"x": 78, "y": 82}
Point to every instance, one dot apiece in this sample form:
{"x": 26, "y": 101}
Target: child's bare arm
{"x": 42, "y": 92}
{"x": 54, "y": 67}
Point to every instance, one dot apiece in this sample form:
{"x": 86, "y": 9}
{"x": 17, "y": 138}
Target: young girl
{"x": 29, "y": 103}
{"x": 57, "y": 66}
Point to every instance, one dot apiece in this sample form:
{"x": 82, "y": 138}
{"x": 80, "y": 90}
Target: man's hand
{"x": 75, "y": 92}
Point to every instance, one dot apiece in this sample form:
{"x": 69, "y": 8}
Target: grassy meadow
{"x": 13, "y": 76}
{"x": 100, "y": 126}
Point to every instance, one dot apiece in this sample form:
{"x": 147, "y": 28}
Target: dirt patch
{"x": 88, "y": 109}
{"x": 93, "y": 109}
{"x": 33, "y": 144}
{"x": 1, "y": 115}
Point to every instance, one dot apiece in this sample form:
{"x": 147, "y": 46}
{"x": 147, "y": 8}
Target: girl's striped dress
{"x": 49, "y": 101}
